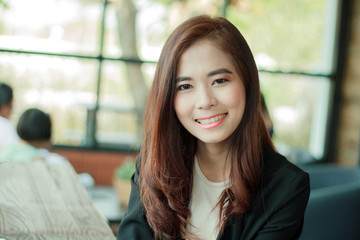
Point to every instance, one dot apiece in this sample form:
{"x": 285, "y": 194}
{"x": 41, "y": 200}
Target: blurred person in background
{"x": 266, "y": 116}
{"x": 34, "y": 130}
{"x": 298, "y": 156}
{"x": 7, "y": 129}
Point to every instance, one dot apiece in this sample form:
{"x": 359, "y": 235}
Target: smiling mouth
{"x": 212, "y": 121}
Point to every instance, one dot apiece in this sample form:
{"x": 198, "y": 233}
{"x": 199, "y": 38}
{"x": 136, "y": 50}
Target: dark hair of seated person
{"x": 6, "y": 94}
{"x": 34, "y": 125}
{"x": 6, "y": 98}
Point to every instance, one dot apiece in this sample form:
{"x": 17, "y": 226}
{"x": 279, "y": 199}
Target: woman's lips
{"x": 211, "y": 122}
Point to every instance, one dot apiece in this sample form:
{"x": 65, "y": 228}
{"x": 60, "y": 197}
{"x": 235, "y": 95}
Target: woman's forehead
{"x": 204, "y": 54}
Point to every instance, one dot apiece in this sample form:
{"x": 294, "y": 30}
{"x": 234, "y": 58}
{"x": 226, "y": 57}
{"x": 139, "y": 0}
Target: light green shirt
{"x": 19, "y": 152}
{"x": 22, "y": 152}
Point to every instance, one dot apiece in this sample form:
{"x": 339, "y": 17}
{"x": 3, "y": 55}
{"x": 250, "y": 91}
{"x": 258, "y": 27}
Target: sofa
{"x": 333, "y": 210}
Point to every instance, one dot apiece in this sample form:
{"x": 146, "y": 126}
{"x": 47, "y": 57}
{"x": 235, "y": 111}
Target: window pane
{"x": 115, "y": 89}
{"x": 122, "y": 102}
{"x": 288, "y": 35}
{"x": 63, "y": 87}
{"x": 59, "y": 26}
{"x": 112, "y": 47}
{"x": 117, "y": 127}
{"x": 141, "y": 27}
{"x": 298, "y": 107}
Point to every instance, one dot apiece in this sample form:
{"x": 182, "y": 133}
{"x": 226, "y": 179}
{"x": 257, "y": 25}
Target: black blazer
{"x": 276, "y": 213}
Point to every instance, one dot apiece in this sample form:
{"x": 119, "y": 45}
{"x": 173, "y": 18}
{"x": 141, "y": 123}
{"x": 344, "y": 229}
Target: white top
{"x": 205, "y": 195}
{"x": 7, "y": 132}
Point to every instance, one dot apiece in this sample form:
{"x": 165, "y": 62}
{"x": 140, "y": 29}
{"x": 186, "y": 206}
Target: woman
{"x": 7, "y": 129}
{"x": 208, "y": 168}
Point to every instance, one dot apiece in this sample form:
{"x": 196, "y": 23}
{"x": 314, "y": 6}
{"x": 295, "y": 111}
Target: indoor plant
{"x": 122, "y": 180}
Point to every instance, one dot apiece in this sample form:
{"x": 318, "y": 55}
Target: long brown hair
{"x": 169, "y": 149}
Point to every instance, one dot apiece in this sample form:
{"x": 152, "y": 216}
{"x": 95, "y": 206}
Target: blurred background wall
{"x": 348, "y": 144}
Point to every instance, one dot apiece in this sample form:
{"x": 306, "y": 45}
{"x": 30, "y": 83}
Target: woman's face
{"x": 210, "y": 96}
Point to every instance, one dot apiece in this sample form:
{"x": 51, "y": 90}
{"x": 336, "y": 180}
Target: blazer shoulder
{"x": 277, "y": 166}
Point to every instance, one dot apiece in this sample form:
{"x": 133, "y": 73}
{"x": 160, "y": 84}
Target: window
{"x": 90, "y": 63}
{"x": 294, "y": 44}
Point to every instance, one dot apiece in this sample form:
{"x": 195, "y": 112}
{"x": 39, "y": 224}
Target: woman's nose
{"x": 205, "y": 98}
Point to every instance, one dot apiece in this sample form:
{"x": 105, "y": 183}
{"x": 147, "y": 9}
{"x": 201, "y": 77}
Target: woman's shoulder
{"x": 281, "y": 182}
{"x": 277, "y": 166}
{"x": 279, "y": 203}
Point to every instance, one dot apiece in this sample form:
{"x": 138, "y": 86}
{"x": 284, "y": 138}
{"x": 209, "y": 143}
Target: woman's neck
{"x": 214, "y": 161}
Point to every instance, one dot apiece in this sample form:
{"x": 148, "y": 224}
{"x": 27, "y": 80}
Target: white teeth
{"x": 210, "y": 120}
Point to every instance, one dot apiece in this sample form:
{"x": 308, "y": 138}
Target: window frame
{"x": 335, "y": 76}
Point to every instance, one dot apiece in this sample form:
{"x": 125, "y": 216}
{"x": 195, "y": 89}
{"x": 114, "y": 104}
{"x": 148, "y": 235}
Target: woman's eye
{"x": 184, "y": 87}
{"x": 220, "y": 81}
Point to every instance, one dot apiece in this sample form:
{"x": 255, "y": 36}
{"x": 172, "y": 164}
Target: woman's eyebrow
{"x": 219, "y": 71}
{"x": 179, "y": 79}
{"x": 212, "y": 73}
